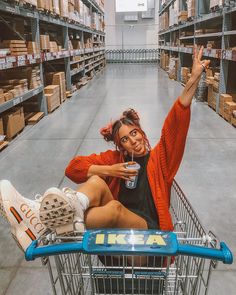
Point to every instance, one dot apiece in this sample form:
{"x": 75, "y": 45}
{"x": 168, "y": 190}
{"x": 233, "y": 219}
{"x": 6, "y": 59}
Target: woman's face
{"x": 132, "y": 140}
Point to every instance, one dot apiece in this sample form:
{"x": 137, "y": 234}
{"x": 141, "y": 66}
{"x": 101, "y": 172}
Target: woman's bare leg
{"x": 104, "y": 211}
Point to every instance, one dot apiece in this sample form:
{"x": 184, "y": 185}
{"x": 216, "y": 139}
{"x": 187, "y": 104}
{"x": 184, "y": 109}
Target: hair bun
{"x": 132, "y": 115}
{"x": 106, "y": 132}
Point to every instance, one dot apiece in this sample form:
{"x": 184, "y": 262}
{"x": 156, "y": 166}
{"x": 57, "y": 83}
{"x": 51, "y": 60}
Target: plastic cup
{"x": 132, "y": 182}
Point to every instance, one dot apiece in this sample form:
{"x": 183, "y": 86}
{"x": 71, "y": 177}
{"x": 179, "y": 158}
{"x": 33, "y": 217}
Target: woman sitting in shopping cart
{"x": 107, "y": 198}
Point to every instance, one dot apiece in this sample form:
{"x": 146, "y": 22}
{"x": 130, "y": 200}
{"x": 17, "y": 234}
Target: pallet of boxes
{"x": 213, "y": 90}
{"x": 16, "y": 47}
{"x": 57, "y": 78}
{"x": 227, "y": 107}
{"x": 3, "y": 143}
{"x": 13, "y": 122}
{"x": 52, "y": 94}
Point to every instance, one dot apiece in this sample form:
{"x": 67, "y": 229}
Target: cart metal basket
{"x": 110, "y": 261}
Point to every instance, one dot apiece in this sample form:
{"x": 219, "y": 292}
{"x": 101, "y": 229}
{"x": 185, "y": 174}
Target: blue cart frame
{"x": 112, "y": 261}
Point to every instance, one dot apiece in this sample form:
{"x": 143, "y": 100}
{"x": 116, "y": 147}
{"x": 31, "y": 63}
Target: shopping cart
{"x": 111, "y": 261}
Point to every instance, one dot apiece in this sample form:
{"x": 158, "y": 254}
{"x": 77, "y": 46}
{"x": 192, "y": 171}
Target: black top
{"x": 140, "y": 200}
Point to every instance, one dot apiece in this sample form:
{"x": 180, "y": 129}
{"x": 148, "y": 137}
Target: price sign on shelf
{"x": 8, "y": 65}
{"x": 11, "y": 59}
{"x": 11, "y": 9}
{"x": 21, "y": 63}
{"x": 32, "y": 61}
{"x": 29, "y": 14}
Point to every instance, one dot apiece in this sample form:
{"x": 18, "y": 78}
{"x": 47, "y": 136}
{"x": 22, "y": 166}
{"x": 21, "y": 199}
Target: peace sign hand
{"x": 199, "y": 65}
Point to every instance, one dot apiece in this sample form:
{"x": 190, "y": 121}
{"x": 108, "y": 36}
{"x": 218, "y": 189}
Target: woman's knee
{"x": 95, "y": 180}
{"x": 115, "y": 210}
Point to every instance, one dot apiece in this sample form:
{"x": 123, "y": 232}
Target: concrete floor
{"x": 36, "y": 159}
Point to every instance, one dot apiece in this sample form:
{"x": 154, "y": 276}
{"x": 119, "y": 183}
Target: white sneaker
{"x": 61, "y": 211}
{"x": 22, "y": 214}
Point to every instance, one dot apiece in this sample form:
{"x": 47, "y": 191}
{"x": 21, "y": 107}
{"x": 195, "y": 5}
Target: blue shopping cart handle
{"x": 130, "y": 242}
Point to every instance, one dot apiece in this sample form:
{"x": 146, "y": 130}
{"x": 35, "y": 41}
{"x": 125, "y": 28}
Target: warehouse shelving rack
{"x": 36, "y": 18}
{"x": 223, "y": 56}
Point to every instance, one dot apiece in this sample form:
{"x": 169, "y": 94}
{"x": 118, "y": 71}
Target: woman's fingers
{"x": 195, "y": 53}
{"x": 200, "y": 54}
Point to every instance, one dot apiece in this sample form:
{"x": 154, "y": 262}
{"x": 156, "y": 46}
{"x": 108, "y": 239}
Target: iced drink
{"x": 132, "y": 182}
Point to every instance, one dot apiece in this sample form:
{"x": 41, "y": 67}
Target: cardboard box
{"x": 2, "y": 99}
{"x": 60, "y": 79}
{"x": 1, "y": 127}
{"x": 229, "y": 107}
{"x": 14, "y": 122}
{"x": 53, "y": 46}
{"x": 183, "y": 16}
{"x": 53, "y": 101}
{"x": 44, "y": 42}
{"x": 233, "y": 121}
{"x": 63, "y": 4}
{"x": 51, "y": 89}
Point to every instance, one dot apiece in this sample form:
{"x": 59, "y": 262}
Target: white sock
{"x": 84, "y": 200}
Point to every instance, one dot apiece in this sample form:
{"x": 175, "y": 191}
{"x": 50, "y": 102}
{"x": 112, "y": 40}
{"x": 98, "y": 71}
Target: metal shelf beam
{"x": 19, "y": 10}
{"x": 165, "y": 6}
{"x": 19, "y": 99}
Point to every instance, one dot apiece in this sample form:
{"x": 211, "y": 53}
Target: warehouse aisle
{"x": 37, "y": 158}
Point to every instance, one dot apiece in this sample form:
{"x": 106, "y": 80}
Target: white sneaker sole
{"x": 57, "y": 214}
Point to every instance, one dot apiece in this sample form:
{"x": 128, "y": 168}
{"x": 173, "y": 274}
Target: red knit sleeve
{"x": 77, "y": 170}
{"x": 171, "y": 146}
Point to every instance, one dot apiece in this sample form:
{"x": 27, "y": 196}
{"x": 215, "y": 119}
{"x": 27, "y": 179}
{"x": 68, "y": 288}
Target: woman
{"x": 103, "y": 196}
{"x": 103, "y": 200}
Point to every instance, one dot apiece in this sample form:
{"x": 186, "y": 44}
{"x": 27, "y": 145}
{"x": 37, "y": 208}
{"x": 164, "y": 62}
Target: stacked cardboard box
{"x": 44, "y": 42}
{"x": 233, "y": 118}
{"x": 164, "y": 21}
{"x": 71, "y": 6}
{"x": 173, "y": 68}
{"x": 35, "y": 79}
{"x": 183, "y": 16}
{"x": 185, "y": 74}
{"x": 224, "y": 98}
{"x": 55, "y": 7}
{"x": 33, "y": 48}
{"x": 63, "y": 4}
{"x": 214, "y": 3}
{"x": 45, "y": 5}
{"x": 88, "y": 43}
{"x": 216, "y": 82}
{"x": 2, "y": 99}
{"x": 211, "y": 97}
{"x": 164, "y": 61}
{"x": 191, "y": 8}
{"x": 53, "y": 46}
{"x": 229, "y": 107}
{"x": 1, "y": 127}
{"x": 13, "y": 122}
{"x": 12, "y": 88}
{"x": 52, "y": 94}
{"x": 60, "y": 79}
{"x": 17, "y": 47}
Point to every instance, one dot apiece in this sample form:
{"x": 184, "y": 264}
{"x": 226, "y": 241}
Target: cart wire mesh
{"x": 77, "y": 273}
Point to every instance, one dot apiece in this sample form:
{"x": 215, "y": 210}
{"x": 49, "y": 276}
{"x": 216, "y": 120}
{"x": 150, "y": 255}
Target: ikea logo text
{"x": 132, "y": 239}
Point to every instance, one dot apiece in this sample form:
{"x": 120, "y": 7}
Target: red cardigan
{"x": 162, "y": 166}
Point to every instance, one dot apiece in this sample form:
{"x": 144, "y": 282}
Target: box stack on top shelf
{"x": 58, "y": 34}
{"x": 212, "y": 24}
